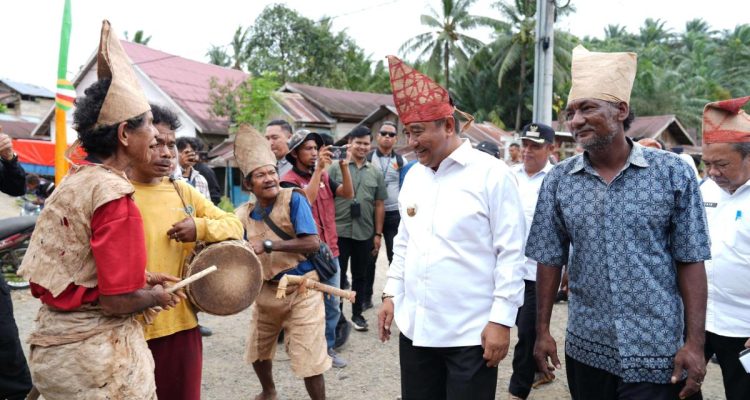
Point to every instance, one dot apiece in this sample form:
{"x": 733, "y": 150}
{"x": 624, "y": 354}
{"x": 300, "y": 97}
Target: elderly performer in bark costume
{"x": 300, "y": 314}
{"x": 87, "y": 257}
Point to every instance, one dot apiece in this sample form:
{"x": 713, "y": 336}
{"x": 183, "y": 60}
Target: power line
{"x": 360, "y": 10}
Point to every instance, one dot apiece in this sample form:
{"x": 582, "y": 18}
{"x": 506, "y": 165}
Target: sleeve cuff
{"x": 393, "y": 287}
{"x": 200, "y": 228}
{"x": 503, "y": 313}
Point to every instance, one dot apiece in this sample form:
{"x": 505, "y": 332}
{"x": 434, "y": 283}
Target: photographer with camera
{"x": 359, "y": 221}
{"x": 188, "y": 157}
{"x": 310, "y": 160}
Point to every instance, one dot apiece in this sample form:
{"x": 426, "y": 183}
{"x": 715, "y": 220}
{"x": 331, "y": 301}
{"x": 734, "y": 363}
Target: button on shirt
{"x": 728, "y": 312}
{"x": 458, "y": 255}
{"x": 528, "y": 188}
{"x": 625, "y": 310}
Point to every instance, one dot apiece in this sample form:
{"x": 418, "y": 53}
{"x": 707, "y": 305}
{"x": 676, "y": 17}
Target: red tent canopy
{"x": 38, "y": 152}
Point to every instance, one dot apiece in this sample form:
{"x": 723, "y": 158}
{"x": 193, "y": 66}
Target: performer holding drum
{"x": 175, "y": 216}
{"x": 87, "y": 259}
{"x": 301, "y": 314}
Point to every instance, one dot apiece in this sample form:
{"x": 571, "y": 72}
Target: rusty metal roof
{"x": 343, "y": 105}
{"x": 302, "y": 110}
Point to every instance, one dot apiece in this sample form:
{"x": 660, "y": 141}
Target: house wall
{"x": 153, "y": 94}
{"x": 37, "y": 108}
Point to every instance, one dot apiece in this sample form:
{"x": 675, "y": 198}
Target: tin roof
{"x": 343, "y": 105}
{"x": 302, "y": 110}
{"x": 28, "y": 89}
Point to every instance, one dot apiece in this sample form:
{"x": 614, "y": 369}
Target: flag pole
{"x": 63, "y": 98}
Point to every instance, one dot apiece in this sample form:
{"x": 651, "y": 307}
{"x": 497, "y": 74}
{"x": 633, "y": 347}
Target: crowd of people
{"x": 658, "y": 276}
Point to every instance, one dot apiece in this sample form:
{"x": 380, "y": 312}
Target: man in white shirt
{"x": 726, "y": 196}
{"x": 537, "y": 144}
{"x": 278, "y": 132}
{"x": 456, "y": 280}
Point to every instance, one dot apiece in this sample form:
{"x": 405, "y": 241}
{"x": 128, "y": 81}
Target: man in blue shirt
{"x": 635, "y": 220}
{"x": 300, "y": 315}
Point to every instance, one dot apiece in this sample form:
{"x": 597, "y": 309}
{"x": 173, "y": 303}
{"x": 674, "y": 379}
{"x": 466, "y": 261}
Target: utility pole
{"x": 543, "y": 59}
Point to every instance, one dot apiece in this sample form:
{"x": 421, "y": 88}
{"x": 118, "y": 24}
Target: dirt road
{"x": 372, "y": 374}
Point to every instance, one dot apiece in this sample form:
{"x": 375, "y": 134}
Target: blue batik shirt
{"x": 625, "y": 309}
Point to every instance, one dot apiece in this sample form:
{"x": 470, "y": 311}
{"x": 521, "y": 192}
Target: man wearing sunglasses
{"x": 394, "y": 168}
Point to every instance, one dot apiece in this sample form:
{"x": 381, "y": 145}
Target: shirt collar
{"x": 636, "y": 157}
{"x": 379, "y": 154}
{"x": 462, "y": 155}
{"x": 303, "y": 174}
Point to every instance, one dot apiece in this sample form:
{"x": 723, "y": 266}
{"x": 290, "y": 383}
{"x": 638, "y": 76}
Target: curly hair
{"x": 164, "y": 115}
{"x": 100, "y": 141}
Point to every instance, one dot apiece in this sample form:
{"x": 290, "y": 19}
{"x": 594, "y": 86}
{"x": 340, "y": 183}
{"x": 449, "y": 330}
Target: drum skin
{"x": 233, "y": 287}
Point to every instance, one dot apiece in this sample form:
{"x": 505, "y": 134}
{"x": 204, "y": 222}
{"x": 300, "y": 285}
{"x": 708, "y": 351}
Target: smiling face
{"x": 360, "y": 147}
{"x": 594, "y": 123}
{"x": 264, "y": 183}
{"x": 535, "y": 155}
{"x": 432, "y": 141}
{"x": 726, "y": 166}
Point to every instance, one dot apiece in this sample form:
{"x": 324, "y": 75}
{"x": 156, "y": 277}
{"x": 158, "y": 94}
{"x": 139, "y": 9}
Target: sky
{"x": 187, "y": 28}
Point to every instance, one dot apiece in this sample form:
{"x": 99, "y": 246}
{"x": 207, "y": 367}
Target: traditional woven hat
{"x": 417, "y": 97}
{"x": 125, "y": 98}
{"x": 603, "y": 76}
{"x": 252, "y": 150}
{"x": 726, "y": 122}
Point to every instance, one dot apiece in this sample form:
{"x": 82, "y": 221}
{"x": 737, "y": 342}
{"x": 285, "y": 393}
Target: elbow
{"x": 109, "y": 305}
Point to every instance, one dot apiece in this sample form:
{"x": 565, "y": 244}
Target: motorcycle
{"x": 29, "y": 206}
{"x": 15, "y": 233}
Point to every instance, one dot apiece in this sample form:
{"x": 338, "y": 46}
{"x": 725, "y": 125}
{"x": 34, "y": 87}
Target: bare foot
{"x": 267, "y": 396}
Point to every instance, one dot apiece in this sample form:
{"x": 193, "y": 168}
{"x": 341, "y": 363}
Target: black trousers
{"x": 445, "y": 373}
{"x": 390, "y": 228}
{"x": 15, "y": 380}
{"x": 359, "y": 251}
{"x": 524, "y": 366}
{"x": 727, "y": 351}
{"x": 589, "y": 383}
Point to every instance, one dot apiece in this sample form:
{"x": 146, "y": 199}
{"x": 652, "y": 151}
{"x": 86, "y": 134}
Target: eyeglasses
{"x": 389, "y": 134}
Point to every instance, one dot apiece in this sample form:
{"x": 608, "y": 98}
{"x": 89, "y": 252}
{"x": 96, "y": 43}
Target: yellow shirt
{"x": 161, "y": 207}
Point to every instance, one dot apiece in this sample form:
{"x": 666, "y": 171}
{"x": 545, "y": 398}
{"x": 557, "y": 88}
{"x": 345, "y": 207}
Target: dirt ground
{"x": 372, "y": 373}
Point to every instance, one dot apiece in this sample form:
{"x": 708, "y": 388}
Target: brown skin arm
{"x": 303, "y": 244}
{"x": 141, "y": 299}
{"x": 691, "y": 278}
{"x": 547, "y": 282}
{"x": 379, "y": 219}
{"x": 346, "y": 189}
{"x": 495, "y": 342}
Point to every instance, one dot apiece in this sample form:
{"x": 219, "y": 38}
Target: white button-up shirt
{"x": 458, "y": 255}
{"x": 728, "y": 215}
{"x": 528, "y": 188}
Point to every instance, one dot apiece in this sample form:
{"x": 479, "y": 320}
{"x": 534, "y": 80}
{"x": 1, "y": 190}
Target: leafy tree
{"x": 249, "y": 102}
{"x": 447, "y": 41}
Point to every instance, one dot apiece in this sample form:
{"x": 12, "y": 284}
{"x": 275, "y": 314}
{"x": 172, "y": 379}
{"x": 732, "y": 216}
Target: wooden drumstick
{"x": 306, "y": 283}
{"x": 190, "y": 279}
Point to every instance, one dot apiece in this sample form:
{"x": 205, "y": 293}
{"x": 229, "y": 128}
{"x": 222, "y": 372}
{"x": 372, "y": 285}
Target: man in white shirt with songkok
{"x": 456, "y": 280}
{"x": 726, "y": 196}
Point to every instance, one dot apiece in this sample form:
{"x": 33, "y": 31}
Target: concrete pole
{"x": 543, "y": 59}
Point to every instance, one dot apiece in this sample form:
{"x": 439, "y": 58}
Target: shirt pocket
{"x": 737, "y": 232}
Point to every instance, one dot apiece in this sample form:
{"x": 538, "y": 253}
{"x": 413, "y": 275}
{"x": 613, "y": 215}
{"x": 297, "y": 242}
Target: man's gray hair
{"x": 742, "y": 148}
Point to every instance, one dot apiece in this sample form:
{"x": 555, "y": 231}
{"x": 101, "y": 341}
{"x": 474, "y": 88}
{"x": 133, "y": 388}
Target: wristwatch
{"x": 379, "y": 234}
{"x": 267, "y": 246}
{"x": 386, "y": 296}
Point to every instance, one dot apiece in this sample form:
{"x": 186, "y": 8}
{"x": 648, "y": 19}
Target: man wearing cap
{"x": 635, "y": 221}
{"x": 456, "y": 280}
{"x": 726, "y": 154}
{"x": 87, "y": 259}
{"x": 489, "y": 148}
{"x": 359, "y": 221}
{"x": 310, "y": 160}
{"x": 300, "y": 314}
{"x": 537, "y": 143}
{"x": 278, "y": 133}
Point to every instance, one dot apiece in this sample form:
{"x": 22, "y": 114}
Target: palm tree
{"x": 218, "y": 56}
{"x": 513, "y": 47}
{"x": 447, "y": 40}
{"x": 139, "y": 38}
{"x": 239, "y": 44}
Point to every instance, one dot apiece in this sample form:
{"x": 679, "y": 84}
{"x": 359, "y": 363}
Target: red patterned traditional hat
{"x": 726, "y": 122}
{"x": 417, "y": 97}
